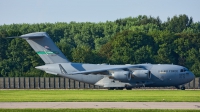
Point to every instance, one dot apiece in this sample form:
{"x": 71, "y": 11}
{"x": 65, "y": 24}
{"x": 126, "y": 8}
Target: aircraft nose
{"x": 192, "y": 76}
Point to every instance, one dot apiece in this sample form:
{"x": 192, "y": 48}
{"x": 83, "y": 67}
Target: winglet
{"x": 63, "y": 71}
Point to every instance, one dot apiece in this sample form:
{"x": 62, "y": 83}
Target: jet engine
{"x": 141, "y": 74}
{"x": 122, "y": 75}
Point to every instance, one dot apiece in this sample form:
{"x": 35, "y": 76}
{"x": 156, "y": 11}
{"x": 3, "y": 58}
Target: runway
{"x": 122, "y": 105}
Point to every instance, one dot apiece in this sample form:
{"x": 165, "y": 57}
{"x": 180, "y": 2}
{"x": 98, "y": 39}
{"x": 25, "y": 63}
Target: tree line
{"x": 132, "y": 40}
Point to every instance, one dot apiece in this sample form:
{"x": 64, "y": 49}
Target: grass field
{"x": 99, "y": 96}
{"x": 94, "y": 110}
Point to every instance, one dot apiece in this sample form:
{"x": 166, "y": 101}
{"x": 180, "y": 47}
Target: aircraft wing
{"x": 103, "y": 70}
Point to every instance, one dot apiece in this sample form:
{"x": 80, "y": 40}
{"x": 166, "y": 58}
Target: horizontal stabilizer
{"x": 14, "y": 37}
{"x": 27, "y": 37}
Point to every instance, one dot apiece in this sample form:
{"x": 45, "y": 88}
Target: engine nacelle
{"x": 121, "y": 75}
{"x": 141, "y": 74}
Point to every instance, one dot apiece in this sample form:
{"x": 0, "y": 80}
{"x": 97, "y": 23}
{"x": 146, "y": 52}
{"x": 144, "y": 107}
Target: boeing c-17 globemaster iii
{"x": 109, "y": 76}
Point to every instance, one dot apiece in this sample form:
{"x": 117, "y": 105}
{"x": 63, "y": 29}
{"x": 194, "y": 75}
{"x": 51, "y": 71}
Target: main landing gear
{"x": 119, "y": 88}
{"x": 111, "y": 88}
{"x": 116, "y": 88}
{"x": 128, "y": 88}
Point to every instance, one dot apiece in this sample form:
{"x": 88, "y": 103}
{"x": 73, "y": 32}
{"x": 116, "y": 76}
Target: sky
{"x": 51, "y": 11}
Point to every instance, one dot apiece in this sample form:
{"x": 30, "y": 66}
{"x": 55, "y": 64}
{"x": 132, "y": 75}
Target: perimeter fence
{"x": 65, "y": 83}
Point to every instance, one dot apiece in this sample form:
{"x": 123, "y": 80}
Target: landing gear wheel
{"x": 182, "y": 87}
{"x": 111, "y": 88}
{"x": 119, "y": 88}
{"x": 128, "y": 88}
{"x": 178, "y": 87}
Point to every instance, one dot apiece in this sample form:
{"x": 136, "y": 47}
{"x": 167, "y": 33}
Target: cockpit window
{"x": 181, "y": 70}
{"x": 185, "y": 69}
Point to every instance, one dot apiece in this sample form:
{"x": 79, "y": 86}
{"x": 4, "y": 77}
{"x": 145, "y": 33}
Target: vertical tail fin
{"x": 45, "y": 47}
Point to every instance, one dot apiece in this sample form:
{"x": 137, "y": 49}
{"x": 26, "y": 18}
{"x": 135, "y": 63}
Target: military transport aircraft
{"x": 109, "y": 76}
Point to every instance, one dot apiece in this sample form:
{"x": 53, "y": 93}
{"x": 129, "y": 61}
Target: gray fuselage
{"x": 161, "y": 74}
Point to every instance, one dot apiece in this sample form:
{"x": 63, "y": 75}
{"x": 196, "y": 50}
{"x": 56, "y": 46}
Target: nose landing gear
{"x": 182, "y": 87}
